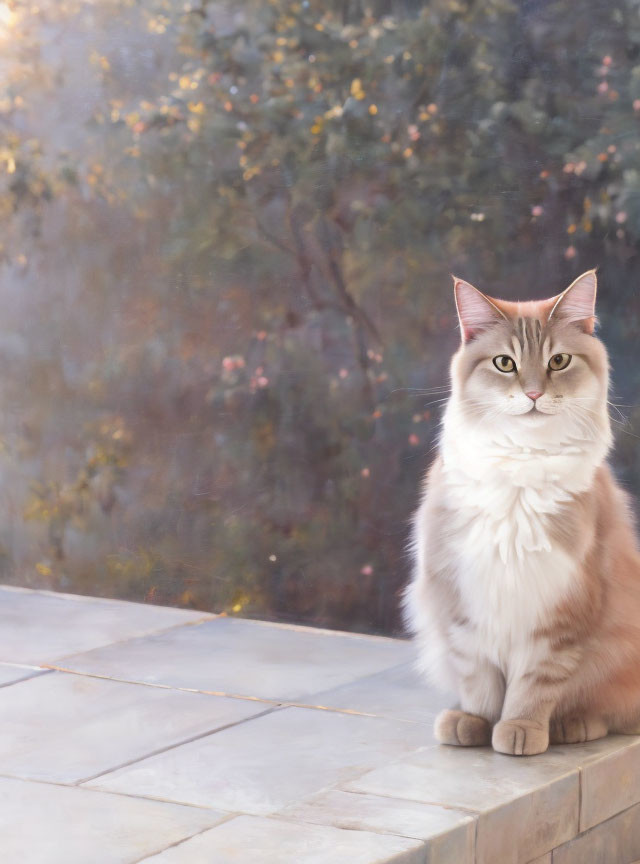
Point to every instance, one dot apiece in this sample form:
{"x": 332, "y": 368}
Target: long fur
{"x": 525, "y": 598}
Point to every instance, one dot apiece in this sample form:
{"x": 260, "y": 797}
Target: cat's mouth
{"x": 534, "y": 412}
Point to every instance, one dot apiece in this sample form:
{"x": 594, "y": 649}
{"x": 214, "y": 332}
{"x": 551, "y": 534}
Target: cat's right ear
{"x": 476, "y": 312}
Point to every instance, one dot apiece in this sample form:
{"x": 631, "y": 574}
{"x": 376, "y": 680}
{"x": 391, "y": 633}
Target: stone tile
{"x": 475, "y": 778}
{"x": 39, "y": 627}
{"x": 247, "y": 658}
{"x": 45, "y": 824}
{"x": 398, "y": 693}
{"x": 11, "y": 673}
{"x": 449, "y": 834}
{"x": 248, "y": 839}
{"x": 64, "y": 728}
{"x": 615, "y": 841}
{"x": 268, "y": 763}
{"x": 610, "y": 782}
{"x": 540, "y": 793}
{"x": 545, "y": 818}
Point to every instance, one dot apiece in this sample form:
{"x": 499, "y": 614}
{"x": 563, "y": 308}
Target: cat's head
{"x": 532, "y": 369}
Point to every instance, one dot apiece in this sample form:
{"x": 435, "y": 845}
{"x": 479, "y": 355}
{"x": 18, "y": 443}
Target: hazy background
{"x": 227, "y": 234}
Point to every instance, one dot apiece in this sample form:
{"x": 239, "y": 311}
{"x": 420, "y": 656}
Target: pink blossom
{"x": 233, "y": 362}
{"x": 606, "y": 60}
{"x": 621, "y": 217}
{"x": 570, "y": 252}
{"x": 343, "y": 373}
{"x": 262, "y": 381}
{"x": 636, "y": 104}
{"x": 367, "y": 570}
{"x": 414, "y": 440}
{"x": 602, "y": 87}
{"x": 537, "y": 210}
{"x": 365, "y": 472}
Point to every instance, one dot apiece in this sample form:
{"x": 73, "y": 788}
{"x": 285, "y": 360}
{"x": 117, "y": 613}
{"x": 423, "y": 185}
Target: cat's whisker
{"x": 421, "y": 391}
{"x": 623, "y": 425}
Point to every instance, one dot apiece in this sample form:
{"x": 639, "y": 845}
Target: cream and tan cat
{"x": 525, "y": 599}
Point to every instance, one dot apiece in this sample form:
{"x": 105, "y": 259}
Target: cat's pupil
{"x": 558, "y": 358}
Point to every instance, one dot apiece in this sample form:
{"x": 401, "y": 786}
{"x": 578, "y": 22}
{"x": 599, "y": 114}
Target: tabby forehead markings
{"x": 529, "y": 332}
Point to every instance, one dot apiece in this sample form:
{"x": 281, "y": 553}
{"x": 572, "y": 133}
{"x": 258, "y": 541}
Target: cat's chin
{"x": 535, "y": 414}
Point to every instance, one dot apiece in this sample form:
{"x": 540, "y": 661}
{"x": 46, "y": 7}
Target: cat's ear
{"x": 577, "y": 304}
{"x": 476, "y": 312}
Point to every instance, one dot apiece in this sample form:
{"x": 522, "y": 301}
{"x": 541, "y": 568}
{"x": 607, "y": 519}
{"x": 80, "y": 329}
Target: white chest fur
{"x": 504, "y": 497}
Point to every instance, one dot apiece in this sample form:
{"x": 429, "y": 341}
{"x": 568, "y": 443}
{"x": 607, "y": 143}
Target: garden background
{"x": 227, "y": 234}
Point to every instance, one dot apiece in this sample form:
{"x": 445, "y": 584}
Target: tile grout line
{"x": 145, "y": 635}
{"x": 169, "y": 747}
{"x": 282, "y": 816}
{"x": 119, "y": 794}
{"x": 596, "y": 827}
{"x": 475, "y": 838}
{"x": 580, "y": 779}
{"x": 284, "y": 703}
{"x": 467, "y": 811}
{"x": 34, "y": 674}
{"x": 184, "y": 839}
{"x": 66, "y": 671}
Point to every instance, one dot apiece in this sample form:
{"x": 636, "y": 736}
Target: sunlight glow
{"x": 8, "y": 17}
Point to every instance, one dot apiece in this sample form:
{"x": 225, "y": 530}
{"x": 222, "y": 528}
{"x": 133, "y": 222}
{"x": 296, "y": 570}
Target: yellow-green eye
{"x": 504, "y": 363}
{"x": 559, "y": 361}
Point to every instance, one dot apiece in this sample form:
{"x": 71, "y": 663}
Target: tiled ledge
{"x": 138, "y": 733}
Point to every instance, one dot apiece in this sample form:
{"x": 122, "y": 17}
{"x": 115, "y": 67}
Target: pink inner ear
{"x": 475, "y": 311}
{"x": 577, "y": 303}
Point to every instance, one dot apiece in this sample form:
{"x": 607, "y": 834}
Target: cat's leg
{"x": 577, "y": 728}
{"x": 481, "y": 689}
{"x": 524, "y": 727}
{"x": 538, "y": 676}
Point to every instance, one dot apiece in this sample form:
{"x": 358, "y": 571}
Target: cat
{"x": 525, "y": 596}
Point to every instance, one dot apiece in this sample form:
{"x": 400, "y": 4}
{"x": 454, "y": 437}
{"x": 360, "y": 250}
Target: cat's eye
{"x": 559, "y": 361}
{"x": 504, "y": 363}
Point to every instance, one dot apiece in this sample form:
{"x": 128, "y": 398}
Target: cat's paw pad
{"x": 462, "y": 729}
{"x": 520, "y": 737}
{"x": 577, "y": 729}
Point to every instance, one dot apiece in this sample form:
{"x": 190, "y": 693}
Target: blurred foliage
{"x": 228, "y": 233}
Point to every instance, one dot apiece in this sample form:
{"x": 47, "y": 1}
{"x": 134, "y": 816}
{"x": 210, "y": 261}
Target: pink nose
{"x": 533, "y": 394}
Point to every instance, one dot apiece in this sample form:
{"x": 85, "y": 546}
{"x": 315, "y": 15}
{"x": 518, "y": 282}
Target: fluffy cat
{"x": 525, "y": 598}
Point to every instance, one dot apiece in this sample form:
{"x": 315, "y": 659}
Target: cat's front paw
{"x": 520, "y": 737}
{"x": 462, "y": 729}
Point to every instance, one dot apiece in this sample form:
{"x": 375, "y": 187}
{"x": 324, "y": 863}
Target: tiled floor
{"x": 135, "y": 733}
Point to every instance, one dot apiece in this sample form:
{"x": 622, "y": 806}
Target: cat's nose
{"x": 533, "y": 394}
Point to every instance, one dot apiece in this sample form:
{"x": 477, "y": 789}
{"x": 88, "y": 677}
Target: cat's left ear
{"x": 577, "y": 304}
